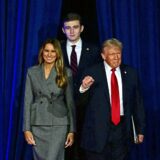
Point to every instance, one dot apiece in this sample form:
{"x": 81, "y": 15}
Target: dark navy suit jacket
{"x": 98, "y": 116}
{"x": 90, "y": 55}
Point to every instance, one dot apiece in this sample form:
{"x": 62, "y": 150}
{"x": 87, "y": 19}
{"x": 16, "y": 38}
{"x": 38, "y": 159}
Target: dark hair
{"x": 72, "y": 17}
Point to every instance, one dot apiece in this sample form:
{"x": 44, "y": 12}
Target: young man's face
{"x": 72, "y": 30}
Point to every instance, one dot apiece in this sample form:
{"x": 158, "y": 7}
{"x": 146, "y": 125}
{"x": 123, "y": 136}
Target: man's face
{"x": 72, "y": 30}
{"x": 112, "y": 55}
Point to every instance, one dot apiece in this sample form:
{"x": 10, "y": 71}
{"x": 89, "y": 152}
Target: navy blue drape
{"x": 24, "y": 24}
{"x": 136, "y": 23}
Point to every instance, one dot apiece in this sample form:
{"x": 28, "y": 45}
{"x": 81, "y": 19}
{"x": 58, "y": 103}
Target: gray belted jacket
{"x": 45, "y": 103}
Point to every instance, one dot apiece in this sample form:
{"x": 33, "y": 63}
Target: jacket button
{"x": 40, "y": 92}
{"x": 50, "y": 102}
{"x": 41, "y": 102}
{"x": 52, "y": 94}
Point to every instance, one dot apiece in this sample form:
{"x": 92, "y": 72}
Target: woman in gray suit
{"x": 49, "y": 114}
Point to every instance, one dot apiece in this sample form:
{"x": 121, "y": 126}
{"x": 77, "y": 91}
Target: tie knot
{"x": 73, "y": 46}
{"x": 113, "y": 69}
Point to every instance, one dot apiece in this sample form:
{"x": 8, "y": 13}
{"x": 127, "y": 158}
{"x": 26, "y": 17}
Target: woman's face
{"x": 49, "y": 54}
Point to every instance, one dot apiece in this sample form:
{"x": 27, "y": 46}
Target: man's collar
{"x": 108, "y": 67}
{"x": 78, "y": 43}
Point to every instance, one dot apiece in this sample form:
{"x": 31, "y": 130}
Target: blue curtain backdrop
{"x": 137, "y": 24}
{"x": 24, "y": 24}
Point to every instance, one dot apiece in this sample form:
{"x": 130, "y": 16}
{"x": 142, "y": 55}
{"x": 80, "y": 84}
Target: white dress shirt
{"x": 119, "y": 79}
{"x": 78, "y": 50}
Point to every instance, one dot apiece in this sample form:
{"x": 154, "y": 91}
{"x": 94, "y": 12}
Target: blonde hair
{"x": 61, "y": 77}
{"x": 112, "y": 42}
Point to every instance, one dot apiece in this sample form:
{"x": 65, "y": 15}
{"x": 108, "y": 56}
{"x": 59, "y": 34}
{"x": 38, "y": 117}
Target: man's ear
{"x": 103, "y": 57}
{"x": 63, "y": 30}
{"x": 82, "y": 28}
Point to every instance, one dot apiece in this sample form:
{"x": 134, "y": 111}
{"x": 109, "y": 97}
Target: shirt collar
{"x": 108, "y": 68}
{"x": 78, "y": 43}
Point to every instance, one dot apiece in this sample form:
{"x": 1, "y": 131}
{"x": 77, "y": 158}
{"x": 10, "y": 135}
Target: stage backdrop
{"x": 24, "y": 24}
{"x": 137, "y": 24}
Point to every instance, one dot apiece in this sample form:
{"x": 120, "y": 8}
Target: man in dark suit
{"x": 87, "y": 55}
{"x": 107, "y": 130}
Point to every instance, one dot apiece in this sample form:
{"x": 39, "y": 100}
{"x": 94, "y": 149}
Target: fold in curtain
{"x": 24, "y": 25}
{"x": 136, "y": 23}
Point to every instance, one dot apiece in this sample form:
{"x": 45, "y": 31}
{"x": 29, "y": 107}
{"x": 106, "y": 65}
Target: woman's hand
{"x": 29, "y": 138}
{"x": 69, "y": 140}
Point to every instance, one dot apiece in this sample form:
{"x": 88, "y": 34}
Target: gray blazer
{"x": 45, "y": 103}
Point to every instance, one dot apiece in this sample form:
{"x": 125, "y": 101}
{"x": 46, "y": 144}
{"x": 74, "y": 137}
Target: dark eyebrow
{"x": 72, "y": 26}
{"x": 51, "y": 50}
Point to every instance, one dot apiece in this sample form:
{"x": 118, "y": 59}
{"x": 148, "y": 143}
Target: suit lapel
{"x": 103, "y": 78}
{"x": 41, "y": 79}
{"x": 85, "y": 51}
{"x": 104, "y": 81}
{"x": 124, "y": 85}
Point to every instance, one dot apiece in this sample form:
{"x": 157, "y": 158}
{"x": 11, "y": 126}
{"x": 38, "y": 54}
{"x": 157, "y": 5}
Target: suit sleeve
{"x": 70, "y": 102}
{"x": 139, "y": 113}
{"x": 28, "y": 99}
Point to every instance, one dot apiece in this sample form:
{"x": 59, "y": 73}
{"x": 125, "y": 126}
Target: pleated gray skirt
{"x": 50, "y": 142}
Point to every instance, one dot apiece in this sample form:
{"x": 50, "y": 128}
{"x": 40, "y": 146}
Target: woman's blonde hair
{"x": 61, "y": 78}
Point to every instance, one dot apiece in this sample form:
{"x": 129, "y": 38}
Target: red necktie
{"x": 115, "y": 102}
{"x": 73, "y": 60}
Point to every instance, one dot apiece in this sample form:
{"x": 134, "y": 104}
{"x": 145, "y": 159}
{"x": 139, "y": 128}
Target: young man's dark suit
{"x": 96, "y": 131}
{"x": 90, "y": 55}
